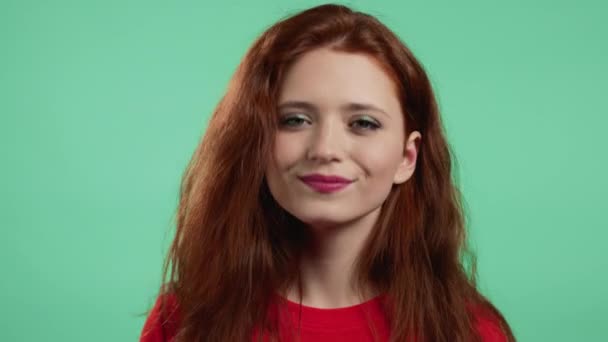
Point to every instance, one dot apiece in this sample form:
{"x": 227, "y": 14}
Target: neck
{"x": 327, "y": 266}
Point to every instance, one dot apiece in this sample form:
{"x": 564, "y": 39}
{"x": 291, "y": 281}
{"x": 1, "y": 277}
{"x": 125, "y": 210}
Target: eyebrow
{"x": 351, "y": 106}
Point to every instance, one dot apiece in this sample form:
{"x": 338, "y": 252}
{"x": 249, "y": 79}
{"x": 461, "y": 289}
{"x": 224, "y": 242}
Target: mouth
{"x": 325, "y": 184}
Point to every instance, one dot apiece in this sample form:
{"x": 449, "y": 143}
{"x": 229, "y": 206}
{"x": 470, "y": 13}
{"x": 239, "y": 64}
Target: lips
{"x": 325, "y": 183}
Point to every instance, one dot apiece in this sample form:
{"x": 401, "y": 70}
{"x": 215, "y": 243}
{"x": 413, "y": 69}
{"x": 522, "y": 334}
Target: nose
{"x": 326, "y": 142}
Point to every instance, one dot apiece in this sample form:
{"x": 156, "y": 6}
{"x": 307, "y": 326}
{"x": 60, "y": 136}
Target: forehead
{"x": 327, "y": 78}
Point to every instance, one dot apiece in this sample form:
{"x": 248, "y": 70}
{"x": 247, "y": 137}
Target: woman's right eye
{"x": 292, "y": 121}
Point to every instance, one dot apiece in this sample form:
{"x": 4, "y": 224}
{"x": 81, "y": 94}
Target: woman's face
{"x": 341, "y": 144}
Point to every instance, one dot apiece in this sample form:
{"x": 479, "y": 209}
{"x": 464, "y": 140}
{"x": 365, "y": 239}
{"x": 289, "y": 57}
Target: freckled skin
{"x": 365, "y": 145}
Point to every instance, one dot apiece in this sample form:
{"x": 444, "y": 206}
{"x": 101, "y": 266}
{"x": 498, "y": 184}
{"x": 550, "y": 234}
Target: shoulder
{"x": 487, "y": 325}
{"x": 162, "y": 321}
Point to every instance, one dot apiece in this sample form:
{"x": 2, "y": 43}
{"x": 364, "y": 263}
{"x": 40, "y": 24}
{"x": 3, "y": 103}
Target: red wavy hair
{"x": 235, "y": 246}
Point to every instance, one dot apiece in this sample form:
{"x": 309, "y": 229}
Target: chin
{"x": 317, "y": 219}
{"x": 322, "y": 222}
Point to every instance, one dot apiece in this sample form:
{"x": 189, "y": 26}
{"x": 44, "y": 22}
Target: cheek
{"x": 287, "y": 150}
{"x": 284, "y": 157}
{"x": 380, "y": 160}
{"x": 281, "y": 169}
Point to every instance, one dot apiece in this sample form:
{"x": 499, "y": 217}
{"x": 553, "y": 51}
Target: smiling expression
{"x": 340, "y": 144}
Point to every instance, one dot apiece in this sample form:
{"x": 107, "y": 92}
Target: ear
{"x": 406, "y": 168}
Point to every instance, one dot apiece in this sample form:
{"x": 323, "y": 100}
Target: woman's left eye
{"x": 365, "y": 124}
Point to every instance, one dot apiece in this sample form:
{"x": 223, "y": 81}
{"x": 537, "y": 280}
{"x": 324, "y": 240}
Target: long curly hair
{"x": 235, "y": 247}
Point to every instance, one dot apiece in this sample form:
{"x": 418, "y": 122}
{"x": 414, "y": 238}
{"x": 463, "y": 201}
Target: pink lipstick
{"x": 325, "y": 184}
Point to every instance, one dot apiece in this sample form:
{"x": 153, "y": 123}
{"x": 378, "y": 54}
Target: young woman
{"x": 319, "y": 206}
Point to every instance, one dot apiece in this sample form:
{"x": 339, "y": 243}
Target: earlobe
{"x": 407, "y": 166}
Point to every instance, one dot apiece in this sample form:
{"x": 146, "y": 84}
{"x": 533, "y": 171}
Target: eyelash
{"x": 372, "y": 125}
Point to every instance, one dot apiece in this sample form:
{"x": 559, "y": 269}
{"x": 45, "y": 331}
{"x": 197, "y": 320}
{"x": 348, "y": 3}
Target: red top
{"x": 319, "y": 325}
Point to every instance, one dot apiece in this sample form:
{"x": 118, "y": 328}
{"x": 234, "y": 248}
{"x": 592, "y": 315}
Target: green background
{"x": 103, "y": 102}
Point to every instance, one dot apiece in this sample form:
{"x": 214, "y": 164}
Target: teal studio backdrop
{"x": 103, "y": 102}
